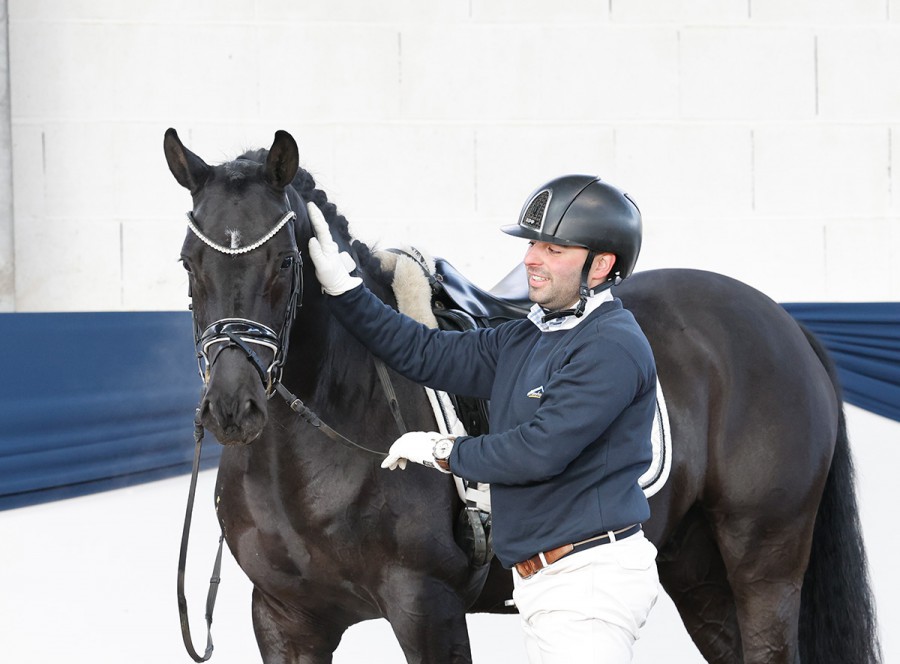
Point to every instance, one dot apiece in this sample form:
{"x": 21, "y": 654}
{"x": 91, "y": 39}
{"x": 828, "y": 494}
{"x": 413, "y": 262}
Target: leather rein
{"x": 246, "y": 334}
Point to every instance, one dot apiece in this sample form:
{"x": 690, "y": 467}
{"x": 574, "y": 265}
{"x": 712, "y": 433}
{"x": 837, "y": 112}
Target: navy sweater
{"x": 570, "y": 417}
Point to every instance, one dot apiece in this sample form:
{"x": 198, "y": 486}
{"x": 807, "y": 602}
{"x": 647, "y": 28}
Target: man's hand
{"x": 332, "y": 267}
{"x": 415, "y": 446}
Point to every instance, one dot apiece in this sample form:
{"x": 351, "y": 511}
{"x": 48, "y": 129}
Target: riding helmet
{"x": 583, "y": 211}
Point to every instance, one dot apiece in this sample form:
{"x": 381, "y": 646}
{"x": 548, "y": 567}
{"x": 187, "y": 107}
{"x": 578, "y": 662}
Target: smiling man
{"x": 573, "y": 393}
{"x": 554, "y": 273}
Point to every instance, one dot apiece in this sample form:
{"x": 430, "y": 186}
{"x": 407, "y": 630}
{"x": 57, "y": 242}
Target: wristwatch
{"x": 441, "y": 452}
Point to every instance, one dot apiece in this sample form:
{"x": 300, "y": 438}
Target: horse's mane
{"x": 305, "y": 185}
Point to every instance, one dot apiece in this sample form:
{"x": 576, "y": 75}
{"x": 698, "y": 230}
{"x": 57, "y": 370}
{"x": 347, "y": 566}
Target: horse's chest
{"x": 290, "y": 530}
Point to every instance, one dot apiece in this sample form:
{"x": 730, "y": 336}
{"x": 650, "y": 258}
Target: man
{"x": 573, "y": 393}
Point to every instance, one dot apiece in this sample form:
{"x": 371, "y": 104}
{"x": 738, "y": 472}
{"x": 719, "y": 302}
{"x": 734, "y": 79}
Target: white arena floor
{"x": 92, "y": 579}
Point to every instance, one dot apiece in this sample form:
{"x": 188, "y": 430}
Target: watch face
{"x": 442, "y": 449}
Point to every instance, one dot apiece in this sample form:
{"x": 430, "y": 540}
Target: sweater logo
{"x": 536, "y": 393}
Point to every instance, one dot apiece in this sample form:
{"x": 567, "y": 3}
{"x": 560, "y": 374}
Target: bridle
{"x": 244, "y": 333}
{"x": 249, "y": 335}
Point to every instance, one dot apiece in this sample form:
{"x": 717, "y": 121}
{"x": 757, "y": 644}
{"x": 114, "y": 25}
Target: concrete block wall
{"x": 7, "y": 240}
{"x": 759, "y": 137}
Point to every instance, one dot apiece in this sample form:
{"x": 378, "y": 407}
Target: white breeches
{"x": 589, "y": 606}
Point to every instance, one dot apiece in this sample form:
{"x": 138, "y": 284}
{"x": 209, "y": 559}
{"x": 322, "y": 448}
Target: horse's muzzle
{"x": 234, "y": 407}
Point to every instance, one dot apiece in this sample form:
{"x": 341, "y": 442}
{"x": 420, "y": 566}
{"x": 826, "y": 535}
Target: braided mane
{"x": 305, "y": 185}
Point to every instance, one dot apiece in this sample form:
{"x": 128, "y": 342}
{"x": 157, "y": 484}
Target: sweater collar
{"x": 537, "y": 313}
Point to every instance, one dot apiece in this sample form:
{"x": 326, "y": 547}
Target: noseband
{"x": 244, "y": 333}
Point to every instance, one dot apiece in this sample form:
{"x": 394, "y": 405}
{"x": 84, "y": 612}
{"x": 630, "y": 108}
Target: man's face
{"x": 554, "y": 274}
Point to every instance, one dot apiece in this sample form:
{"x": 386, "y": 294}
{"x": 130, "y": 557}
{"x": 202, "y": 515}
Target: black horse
{"x": 757, "y": 527}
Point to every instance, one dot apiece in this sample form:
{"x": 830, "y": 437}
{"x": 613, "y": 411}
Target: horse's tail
{"x": 837, "y": 609}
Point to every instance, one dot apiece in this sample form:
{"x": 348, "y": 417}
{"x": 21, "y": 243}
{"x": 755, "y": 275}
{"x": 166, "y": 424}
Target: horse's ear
{"x": 189, "y": 169}
{"x": 283, "y": 160}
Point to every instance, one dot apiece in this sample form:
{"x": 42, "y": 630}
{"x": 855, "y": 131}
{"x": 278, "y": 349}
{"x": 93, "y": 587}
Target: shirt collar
{"x": 537, "y": 313}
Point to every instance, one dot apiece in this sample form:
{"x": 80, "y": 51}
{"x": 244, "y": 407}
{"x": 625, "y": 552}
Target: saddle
{"x": 508, "y": 300}
{"x": 460, "y": 305}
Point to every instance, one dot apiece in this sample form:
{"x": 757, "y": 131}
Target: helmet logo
{"x": 536, "y": 211}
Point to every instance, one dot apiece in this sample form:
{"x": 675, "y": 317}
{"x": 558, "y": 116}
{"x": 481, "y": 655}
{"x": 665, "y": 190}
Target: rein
{"x": 182, "y": 561}
{"x": 244, "y": 334}
{"x": 314, "y": 420}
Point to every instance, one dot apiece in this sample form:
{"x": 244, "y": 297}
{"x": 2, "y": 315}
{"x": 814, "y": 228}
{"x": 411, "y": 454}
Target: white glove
{"x": 415, "y": 446}
{"x": 332, "y": 268}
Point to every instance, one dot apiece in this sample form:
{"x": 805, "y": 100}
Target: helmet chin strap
{"x": 584, "y": 291}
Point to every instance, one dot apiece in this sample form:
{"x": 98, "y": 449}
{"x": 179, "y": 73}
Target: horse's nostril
{"x": 234, "y": 417}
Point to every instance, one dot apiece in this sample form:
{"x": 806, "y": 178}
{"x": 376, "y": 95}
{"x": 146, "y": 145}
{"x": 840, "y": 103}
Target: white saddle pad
{"x": 658, "y": 472}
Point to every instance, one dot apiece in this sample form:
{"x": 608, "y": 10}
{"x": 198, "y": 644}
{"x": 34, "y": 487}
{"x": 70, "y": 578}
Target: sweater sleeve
{"x": 462, "y": 363}
{"x": 580, "y": 402}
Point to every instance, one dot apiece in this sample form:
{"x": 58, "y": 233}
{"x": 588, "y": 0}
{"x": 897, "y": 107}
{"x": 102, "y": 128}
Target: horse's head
{"x": 245, "y": 275}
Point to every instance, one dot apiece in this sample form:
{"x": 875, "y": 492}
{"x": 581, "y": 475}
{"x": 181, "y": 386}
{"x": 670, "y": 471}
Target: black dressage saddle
{"x": 508, "y": 300}
{"x": 458, "y": 304}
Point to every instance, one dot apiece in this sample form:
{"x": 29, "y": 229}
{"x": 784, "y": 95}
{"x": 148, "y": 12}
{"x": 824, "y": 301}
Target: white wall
{"x": 758, "y": 137}
{"x": 7, "y": 241}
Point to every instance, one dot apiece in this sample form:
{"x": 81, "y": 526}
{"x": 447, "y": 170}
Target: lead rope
{"x": 182, "y": 560}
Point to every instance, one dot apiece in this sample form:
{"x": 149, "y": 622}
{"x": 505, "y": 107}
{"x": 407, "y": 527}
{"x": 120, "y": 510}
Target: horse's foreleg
{"x": 286, "y": 638}
{"x": 428, "y": 617}
{"x": 693, "y": 574}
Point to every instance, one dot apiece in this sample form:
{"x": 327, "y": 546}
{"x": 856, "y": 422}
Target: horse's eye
{"x": 186, "y": 266}
{"x": 287, "y": 263}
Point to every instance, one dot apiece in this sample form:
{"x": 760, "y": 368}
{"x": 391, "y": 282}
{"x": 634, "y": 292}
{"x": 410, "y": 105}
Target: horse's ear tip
{"x": 281, "y": 134}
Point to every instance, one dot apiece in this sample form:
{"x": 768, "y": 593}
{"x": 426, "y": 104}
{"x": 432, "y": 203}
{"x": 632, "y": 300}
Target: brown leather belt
{"x": 528, "y": 568}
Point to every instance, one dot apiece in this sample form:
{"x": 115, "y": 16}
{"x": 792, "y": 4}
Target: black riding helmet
{"x": 584, "y": 211}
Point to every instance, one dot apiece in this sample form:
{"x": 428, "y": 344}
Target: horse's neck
{"x": 326, "y": 364}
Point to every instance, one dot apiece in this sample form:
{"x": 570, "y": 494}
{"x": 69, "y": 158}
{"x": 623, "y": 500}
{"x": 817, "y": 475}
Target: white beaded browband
{"x": 288, "y": 216}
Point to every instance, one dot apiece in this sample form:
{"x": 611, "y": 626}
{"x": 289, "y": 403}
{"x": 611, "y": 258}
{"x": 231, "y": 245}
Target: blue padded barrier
{"x": 95, "y": 401}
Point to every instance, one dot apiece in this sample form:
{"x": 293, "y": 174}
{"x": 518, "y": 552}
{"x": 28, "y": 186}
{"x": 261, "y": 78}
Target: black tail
{"x": 837, "y": 612}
